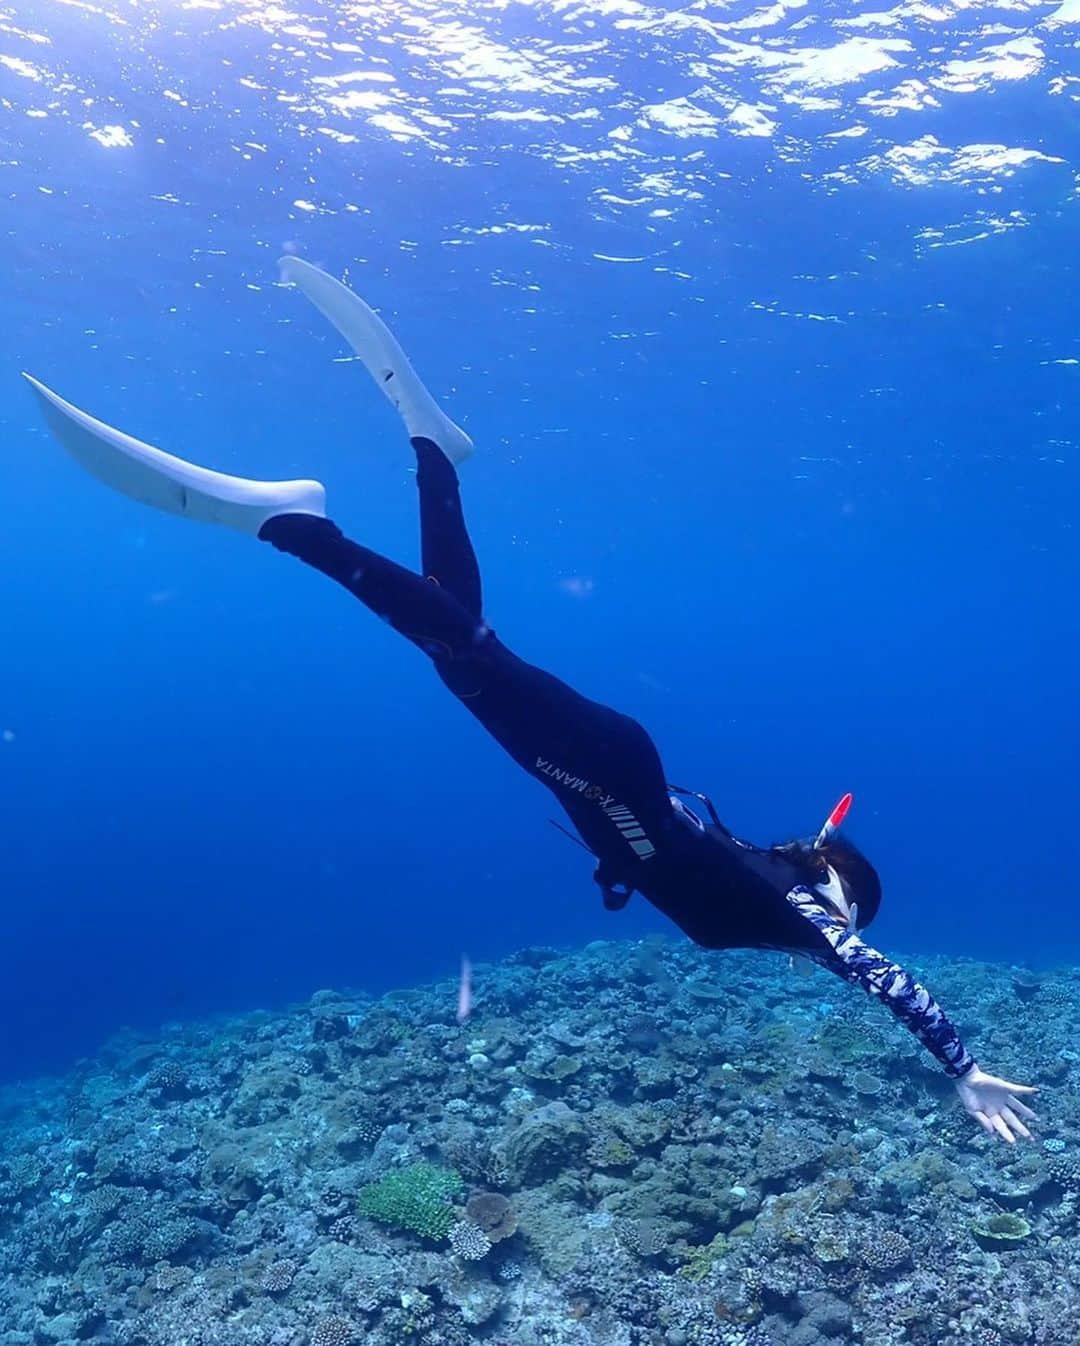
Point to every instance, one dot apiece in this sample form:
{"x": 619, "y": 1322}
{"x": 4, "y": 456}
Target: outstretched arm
{"x": 991, "y": 1101}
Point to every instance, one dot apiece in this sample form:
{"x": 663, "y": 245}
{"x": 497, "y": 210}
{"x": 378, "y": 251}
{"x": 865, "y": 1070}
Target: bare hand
{"x": 994, "y": 1104}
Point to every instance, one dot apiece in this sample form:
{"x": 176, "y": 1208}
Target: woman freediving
{"x": 807, "y": 897}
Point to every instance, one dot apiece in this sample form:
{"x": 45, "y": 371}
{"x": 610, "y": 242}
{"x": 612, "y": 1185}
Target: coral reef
{"x": 627, "y": 1145}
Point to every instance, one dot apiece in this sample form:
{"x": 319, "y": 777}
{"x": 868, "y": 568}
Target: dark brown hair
{"x": 857, "y": 874}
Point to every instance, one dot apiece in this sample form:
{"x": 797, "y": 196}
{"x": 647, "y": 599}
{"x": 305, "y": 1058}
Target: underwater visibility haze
{"x": 763, "y": 321}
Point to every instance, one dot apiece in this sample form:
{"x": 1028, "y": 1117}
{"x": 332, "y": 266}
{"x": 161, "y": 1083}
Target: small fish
{"x": 464, "y": 995}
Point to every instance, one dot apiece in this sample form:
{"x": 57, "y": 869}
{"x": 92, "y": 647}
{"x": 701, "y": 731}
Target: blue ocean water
{"x": 763, "y": 319}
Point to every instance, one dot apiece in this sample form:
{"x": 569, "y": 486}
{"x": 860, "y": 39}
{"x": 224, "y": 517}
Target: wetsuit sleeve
{"x": 911, "y": 1003}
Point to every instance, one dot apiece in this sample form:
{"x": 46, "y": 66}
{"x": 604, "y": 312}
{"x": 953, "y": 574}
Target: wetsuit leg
{"x": 447, "y": 554}
{"x": 601, "y": 765}
{"x": 425, "y": 613}
{"x": 440, "y": 614}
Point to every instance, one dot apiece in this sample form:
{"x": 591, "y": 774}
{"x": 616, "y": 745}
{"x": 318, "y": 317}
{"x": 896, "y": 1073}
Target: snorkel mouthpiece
{"x": 833, "y": 821}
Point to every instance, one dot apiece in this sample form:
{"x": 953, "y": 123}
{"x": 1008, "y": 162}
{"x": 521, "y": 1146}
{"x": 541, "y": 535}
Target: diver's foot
{"x": 172, "y": 484}
{"x": 381, "y": 356}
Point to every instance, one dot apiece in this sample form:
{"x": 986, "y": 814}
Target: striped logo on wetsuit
{"x": 631, "y": 829}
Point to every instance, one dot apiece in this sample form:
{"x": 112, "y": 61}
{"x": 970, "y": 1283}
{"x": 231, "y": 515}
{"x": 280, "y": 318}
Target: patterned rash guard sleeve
{"x": 911, "y": 1003}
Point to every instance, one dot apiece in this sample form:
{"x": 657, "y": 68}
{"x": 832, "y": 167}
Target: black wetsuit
{"x": 601, "y": 765}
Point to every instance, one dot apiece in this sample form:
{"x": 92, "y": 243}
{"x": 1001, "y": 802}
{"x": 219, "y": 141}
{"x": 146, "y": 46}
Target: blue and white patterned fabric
{"x": 911, "y": 1003}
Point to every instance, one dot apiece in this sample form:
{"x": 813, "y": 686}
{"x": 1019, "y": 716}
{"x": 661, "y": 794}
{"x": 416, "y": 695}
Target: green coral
{"x": 700, "y": 1262}
{"x": 1002, "y": 1231}
{"x": 555, "y": 1068}
{"x": 416, "y": 1199}
{"x": 610, "y": 1151}
{"x": 845, "y": 1042}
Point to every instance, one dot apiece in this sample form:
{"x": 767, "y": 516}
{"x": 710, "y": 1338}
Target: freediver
{"x": 808, "y": 896}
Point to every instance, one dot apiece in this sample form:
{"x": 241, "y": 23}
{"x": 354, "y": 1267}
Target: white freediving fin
{"x": 381, "y": 355}
{"x": 156, "y": 478}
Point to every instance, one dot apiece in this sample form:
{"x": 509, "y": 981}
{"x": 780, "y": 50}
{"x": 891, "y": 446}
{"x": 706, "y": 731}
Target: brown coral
{"x": 493, "y": 1214}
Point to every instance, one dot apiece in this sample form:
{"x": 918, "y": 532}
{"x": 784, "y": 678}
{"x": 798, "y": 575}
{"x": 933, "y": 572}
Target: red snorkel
{"x": 833, "y": 821}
